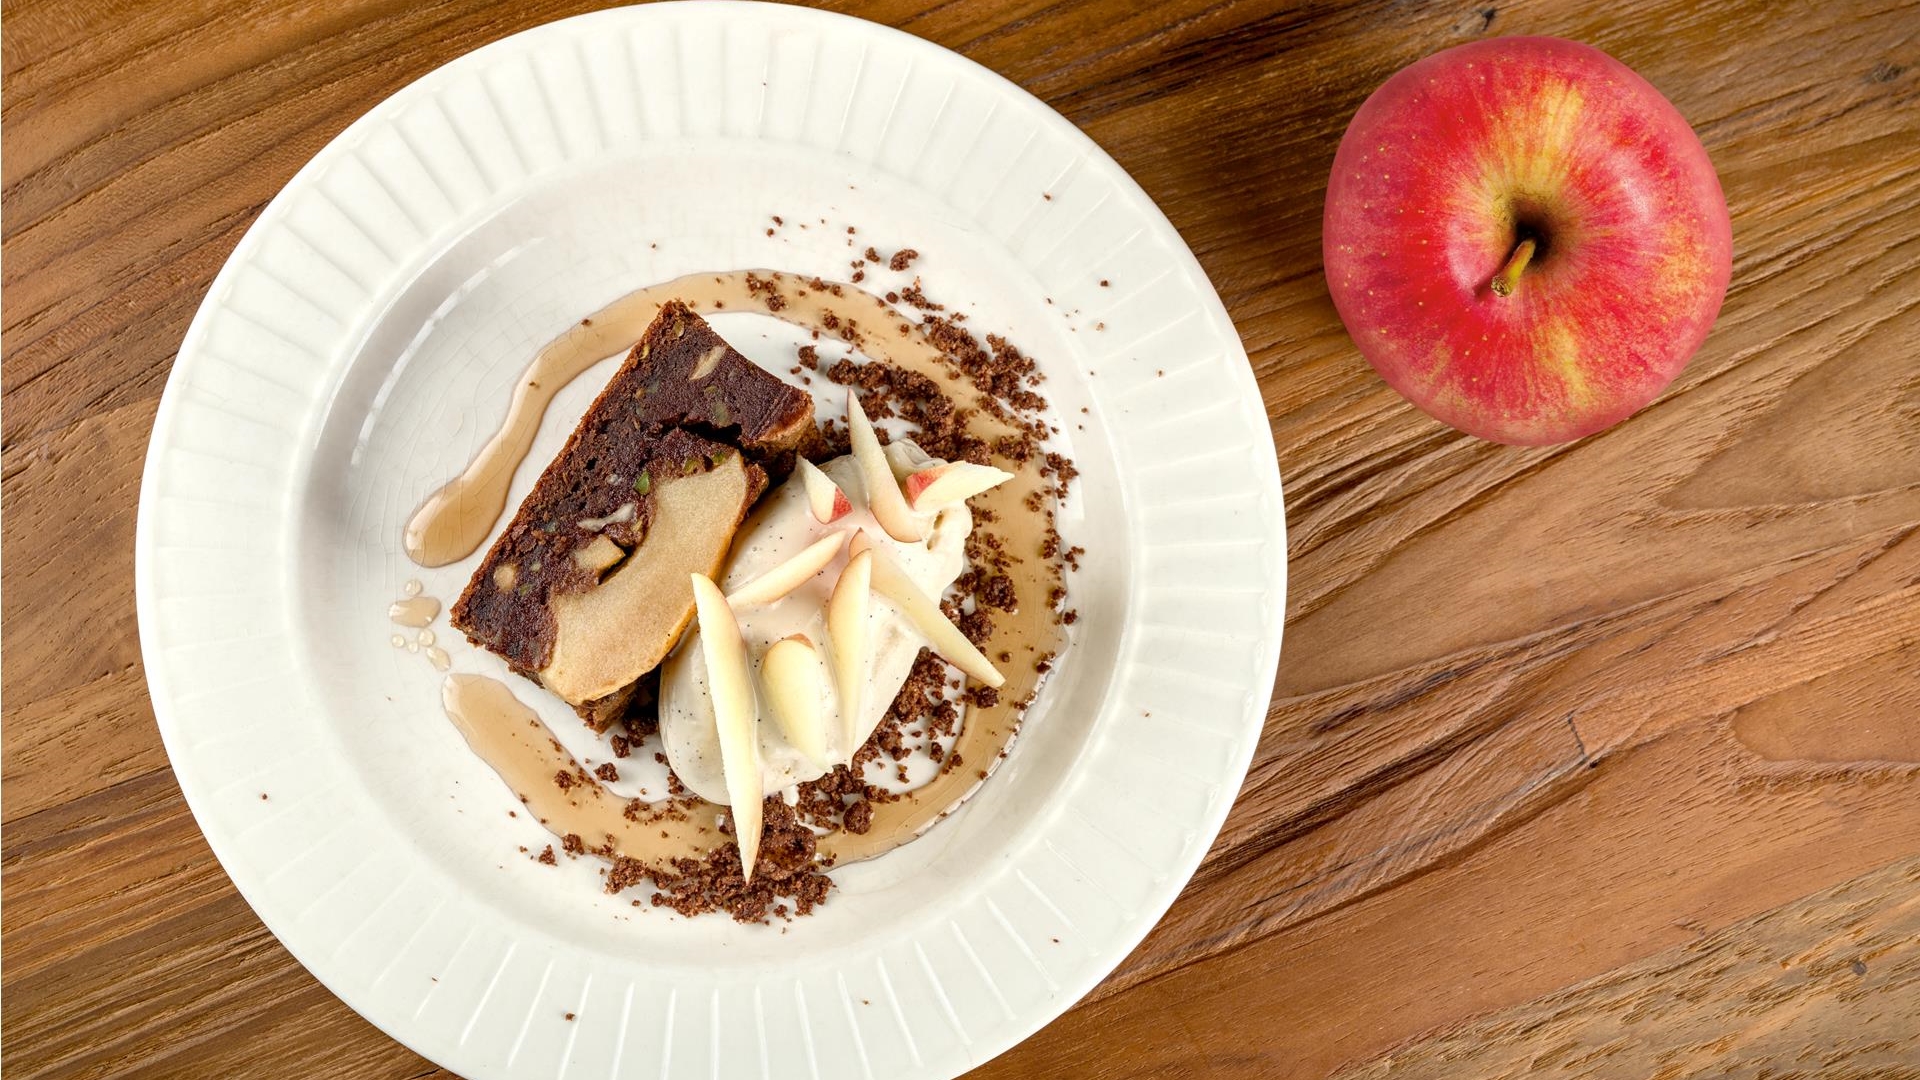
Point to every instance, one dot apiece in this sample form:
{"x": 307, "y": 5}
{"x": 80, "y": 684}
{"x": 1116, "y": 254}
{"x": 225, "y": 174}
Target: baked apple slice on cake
{"x": 588, "y": 587}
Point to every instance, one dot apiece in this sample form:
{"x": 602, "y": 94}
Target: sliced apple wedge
{"x": 847, "y": 638}
{"x": 883, "y": 491}
{"x": 955, "y": 481}
{"x": 731, "y": 685}
{"x": 790, "y": 674}
{"x": 828, "y": 502}
{"x": 942, "y": 636}
{"x": 790, "y": 575}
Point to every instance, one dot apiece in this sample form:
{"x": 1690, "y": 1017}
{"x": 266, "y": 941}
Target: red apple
{"x": 1525, "y": 238}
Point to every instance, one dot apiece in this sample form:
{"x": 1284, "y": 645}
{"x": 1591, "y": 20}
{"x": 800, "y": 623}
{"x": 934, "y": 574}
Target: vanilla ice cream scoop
{"x": 781, "y": 527}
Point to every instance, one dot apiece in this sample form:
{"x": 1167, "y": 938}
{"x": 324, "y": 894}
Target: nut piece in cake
{"x": 587, "y": 588}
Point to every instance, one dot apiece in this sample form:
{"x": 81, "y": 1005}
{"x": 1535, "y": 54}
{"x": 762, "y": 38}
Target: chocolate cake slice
{"x": 588, "y": 587}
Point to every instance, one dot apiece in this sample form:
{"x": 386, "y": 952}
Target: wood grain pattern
{"x": 1570, "y": 748}
{"x": 1827, "y": 986}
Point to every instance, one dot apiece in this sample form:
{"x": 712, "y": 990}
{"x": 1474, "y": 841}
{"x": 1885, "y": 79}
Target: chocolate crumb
{"x": 977, "y": 625}
{"x": 786, "y": 871}
{"x": 546, "y": 856}
{"x": 607, "y": 772}
{"x": 997, "y": 591}
{"x": 902, "y": 259}
{"x": 913, "y": 296}
{"x": 621, "y": 747}
{"x": 859, "y": 817}
{"x": 572, "y": 844}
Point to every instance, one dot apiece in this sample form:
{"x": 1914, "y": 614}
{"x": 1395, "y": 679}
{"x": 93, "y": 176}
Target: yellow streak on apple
{"x": 1529, "y": 155}
{"x": 1557, "y": 352}
{"x": 1547, "y": 124}
{"x": 1683, "y": 271}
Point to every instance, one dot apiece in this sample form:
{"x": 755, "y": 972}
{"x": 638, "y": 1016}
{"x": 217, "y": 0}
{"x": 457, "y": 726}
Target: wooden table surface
{"x": 1601, "y": 759}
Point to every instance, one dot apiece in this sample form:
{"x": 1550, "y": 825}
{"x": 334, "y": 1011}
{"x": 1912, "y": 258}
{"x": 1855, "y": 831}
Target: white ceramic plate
{"x": 358, "y": 346}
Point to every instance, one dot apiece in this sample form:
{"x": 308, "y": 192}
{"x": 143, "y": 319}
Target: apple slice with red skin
{"x": 777, "y": 582}
{"x": 790, "y": 675}
{"x": 920, "y": 609}
{"x": 1524, "y": 238}
{"x": 940, "y": 486}
{"x": 847, "y": 636}
{"x": 730, "y": 684}
{"x": 828, "y": 502}
{"x": 883, "y": 491}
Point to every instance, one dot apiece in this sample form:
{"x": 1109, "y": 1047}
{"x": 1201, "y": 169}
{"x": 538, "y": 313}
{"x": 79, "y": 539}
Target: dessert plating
{"x": 823, "y": 642}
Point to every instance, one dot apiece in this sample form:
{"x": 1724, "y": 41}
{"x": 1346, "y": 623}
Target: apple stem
{"x": 1508, "y": 278}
